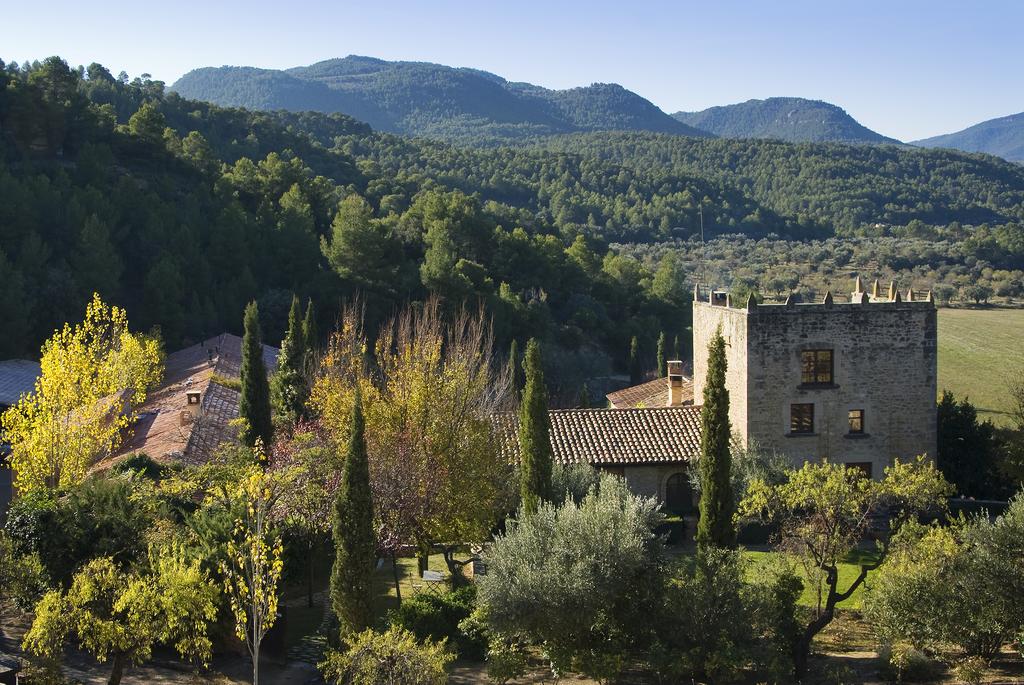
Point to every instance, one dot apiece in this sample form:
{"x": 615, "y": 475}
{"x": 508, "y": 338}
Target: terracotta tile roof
{"x": 650, "y": 394}
{"x": 17, "y": 377}
{"x": 166, "y": 429}
{"x": 613, "y": 436}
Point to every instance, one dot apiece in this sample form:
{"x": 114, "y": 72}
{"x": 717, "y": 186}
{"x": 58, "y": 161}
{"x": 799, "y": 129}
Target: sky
{"x": 908, "y": 69}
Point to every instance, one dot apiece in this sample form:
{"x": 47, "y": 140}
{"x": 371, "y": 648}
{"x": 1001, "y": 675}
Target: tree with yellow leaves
{"x": 428, "y": 404}
{"x": 254, "y": 564}
{"x": 93, "y": 376}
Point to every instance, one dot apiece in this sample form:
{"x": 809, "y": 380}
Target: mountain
{"x": 419, "y": 98}
{"x": 1003, "y": 137}
{"x": 789, "y": 119}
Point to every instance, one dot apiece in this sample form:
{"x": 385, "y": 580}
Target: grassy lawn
{"x": 848, "y": 571}
{"x": 978, "y": 356}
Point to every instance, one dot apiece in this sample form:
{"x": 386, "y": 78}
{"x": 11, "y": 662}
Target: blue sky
{"x": 905, "y": 68}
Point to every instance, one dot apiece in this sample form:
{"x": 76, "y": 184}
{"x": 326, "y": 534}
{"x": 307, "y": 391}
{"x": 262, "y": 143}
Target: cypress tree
{"x": 662, "y": 361}
{"x": 677, "y": 350}
{"x": 254, "y": 405}
{"x": 289, "y": 389}
{"x": 716, "y": 499}
{"x": 309, "y": 330}
{"x": 355, "y": 547}
{"x": 534, "y": 429}
{"x": 517, "y": 370}
{"x": 636, "y": 370}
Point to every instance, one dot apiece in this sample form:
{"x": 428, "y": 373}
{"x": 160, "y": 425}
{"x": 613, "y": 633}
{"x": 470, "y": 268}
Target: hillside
{"x": 419, "y": 98}
{"x": 1003, "y": 137}
{"x": 836, "y": 187}
{"x": 790, "y": 119}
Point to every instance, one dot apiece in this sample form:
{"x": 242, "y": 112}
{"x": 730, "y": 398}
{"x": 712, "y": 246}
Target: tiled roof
{"x": 163, "y": 430}
{"x": 650, "y": 394}
{"x": 17, "y": 377}
{"x": 613, "y": 436}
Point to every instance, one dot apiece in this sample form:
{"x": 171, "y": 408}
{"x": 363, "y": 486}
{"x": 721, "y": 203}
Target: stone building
{"x": 851, "y": 381}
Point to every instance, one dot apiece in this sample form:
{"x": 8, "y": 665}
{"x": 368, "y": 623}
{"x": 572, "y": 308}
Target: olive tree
{"x": 824, "y": 510}
{"x": 961, "y": 585}
{"x": 580, "y": 579}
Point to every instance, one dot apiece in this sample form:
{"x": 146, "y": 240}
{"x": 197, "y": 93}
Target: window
{"x": 856, "y": 421}
{"x": 863, "y": 466}
{"x": 619, "y": 471}
{"x": 801, "y": 418}
{"x": 816, "y": 367}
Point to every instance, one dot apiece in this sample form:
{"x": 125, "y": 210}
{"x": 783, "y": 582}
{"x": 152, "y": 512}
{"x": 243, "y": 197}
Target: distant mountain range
{"x": 789, "y": 119}
{"x": 419, "y": 98}
{"x": 470, "y": 105}
{"x": 1003, "y": 137}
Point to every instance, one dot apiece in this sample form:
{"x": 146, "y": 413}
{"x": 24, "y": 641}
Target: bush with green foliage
{"x": 22, "y": 577}
{"x": 715, "y": 624}
{"x": 142, "y": 464}
{"x": 438, "y": 617}
{"x": 100, "y": 518}
{"x": 961, "y": 585}
{"x": 393, "y": 657}
{"x": 581, "y": 579}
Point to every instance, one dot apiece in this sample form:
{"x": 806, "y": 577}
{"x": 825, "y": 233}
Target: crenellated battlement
{"x": 889, "y": 300}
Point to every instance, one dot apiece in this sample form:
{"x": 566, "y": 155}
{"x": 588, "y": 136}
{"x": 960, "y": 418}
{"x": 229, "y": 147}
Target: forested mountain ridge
{"x": 837, "y": 187}
{"x": 420, "y": 98}
{"x": 183, "y": 211}
{"x": 1003, "y": 137}
{"x": 783, "y": 118}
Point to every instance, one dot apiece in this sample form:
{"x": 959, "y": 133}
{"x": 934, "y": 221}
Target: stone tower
{"x": 852, "y": 381}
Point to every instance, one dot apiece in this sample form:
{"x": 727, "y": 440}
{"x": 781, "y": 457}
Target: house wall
{"x": 884, "y": 356}
{"x": 649, "y": 480}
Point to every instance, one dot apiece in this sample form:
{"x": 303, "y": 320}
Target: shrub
{"x": 143, "y": 464}
{"x": 715, "y": 624}
{"x": 906, "y": 664}
{"x": 573, "y": 482}
{"x": 970, "y": 670}
{"x": 392, "y": 657}
{"x": 437, "y": 617}
{"x": 583, "y": 580}
{"x": 101, "y": 517}
{"x": 962, "y": 585}
{"x": 22, "y": 577}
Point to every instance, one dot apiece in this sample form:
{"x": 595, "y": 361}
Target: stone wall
{"x": 707, "y": 319}
{"x": 884, "y": 363}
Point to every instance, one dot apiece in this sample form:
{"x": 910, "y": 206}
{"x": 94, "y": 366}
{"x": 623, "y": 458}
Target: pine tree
{"x": 636, "y": 371}
{"x": 309, "y": 330}
{"x": 289, "y": 387}
{"x": 716, "y": 526}
{"x": 662, "y": 361}
{"x": 254, "y": 405}
{"x": 355, "y": 547}
{"x": 534, "y": 429}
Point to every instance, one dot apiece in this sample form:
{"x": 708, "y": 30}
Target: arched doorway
{"x": 678, "y": 494}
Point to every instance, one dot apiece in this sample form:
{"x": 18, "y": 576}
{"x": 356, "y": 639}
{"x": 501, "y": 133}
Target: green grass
{"x": 848, "y": 571}
{"x": 979, "y": 355}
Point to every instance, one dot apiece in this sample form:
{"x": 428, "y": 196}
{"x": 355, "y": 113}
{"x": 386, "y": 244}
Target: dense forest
{"x": 792, "y": 119}
{"x": 419, "y": 98}
{"x": 183, "y": 211}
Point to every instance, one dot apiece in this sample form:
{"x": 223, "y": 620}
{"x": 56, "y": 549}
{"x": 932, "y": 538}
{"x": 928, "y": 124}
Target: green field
{"x": 979, "y": 354}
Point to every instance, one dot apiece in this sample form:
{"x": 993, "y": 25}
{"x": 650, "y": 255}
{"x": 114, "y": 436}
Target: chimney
{"x": 675, "y": 383}
{"x": 193, "y": 406}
